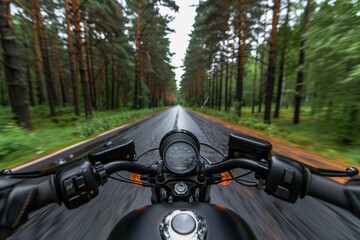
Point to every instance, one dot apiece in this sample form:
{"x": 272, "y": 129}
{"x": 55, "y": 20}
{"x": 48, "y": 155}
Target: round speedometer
{"x": 180, "y": 151}
{"x": 180, "y": 157}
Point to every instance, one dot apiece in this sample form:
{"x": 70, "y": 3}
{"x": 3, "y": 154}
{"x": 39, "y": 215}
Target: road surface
{"x": 269, "y": 217}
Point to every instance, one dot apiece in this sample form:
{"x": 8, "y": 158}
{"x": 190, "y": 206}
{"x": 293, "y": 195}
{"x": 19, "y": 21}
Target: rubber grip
{"x": 326, "y": 190}
{"x": 45, "y": 193}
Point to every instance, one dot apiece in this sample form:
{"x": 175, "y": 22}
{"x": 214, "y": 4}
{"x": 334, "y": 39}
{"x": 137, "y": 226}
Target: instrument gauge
{"x": 180, "y": 157}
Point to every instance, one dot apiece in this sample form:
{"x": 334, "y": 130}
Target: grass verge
{"x": 312, "y": 134}
{"x": 53, "y": 133}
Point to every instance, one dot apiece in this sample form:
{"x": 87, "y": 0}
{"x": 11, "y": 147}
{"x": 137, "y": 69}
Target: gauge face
{"x": 180, "y": 157}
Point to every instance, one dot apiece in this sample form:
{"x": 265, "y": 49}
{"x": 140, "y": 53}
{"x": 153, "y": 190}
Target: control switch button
{"x": 288, "y": 176}
{"x": 80, "y": 182}
{"x": 282, "y": 192}
{"x": 69, "y": 187}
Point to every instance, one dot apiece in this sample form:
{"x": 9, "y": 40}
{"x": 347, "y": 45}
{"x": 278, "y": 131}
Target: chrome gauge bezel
{"x": 171, "y": 169}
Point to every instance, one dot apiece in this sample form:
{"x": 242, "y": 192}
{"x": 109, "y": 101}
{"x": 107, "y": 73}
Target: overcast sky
{"x": 182, "y": 24}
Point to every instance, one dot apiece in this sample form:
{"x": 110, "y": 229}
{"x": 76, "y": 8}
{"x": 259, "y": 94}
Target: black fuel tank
{"x": 144, "y": 222}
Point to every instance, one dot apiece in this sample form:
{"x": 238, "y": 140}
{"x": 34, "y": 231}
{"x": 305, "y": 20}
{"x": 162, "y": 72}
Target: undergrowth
{"x": 52, "y": 133}
{"x": 311, "y": 134}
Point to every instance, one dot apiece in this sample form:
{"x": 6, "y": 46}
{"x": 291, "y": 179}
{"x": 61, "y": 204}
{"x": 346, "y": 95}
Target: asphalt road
{"x": 269, "y": 217}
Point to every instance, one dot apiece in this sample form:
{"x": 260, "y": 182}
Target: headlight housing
{"x": 180, "y": 151}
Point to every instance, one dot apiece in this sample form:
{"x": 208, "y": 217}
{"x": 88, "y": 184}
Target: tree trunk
{"x": 300, "y": 75}
{"x": 118, "y": 88}
{"x": 2, "y": 90}
{"x": 82, "y": 60}
{"x": 261, "y": 81}
{"x": 262, "y": 75}
{"x": 241, "y": 58}
{"x": 282, "y": 64}
{"x": 271, "y": 63}
{"x": 254, "y": 83}
{"x": 37, "y": 62}
{"x": 216, "y": 82}
{"x": 30, "y": 85}
{"x": 232, "y": 74}
{"x": 209, "y": 88}
{"x": 138, "y": 68}
{"x": 107, "y": 90}
{"x": 226, "y": 81}
{"x": 56, "y": 46}
{"x": 28, "y": 67}
{"x": 72, "y": 57}
{"x": 220, "y": 84}
{"x": 213, "y": 89}
{"x": 51, "y": 94}
{"x": 90, "y": 65}
{"x": 17, "y": 85}
{"x": 113, "y": 79}
{"x": 62, "y": 85}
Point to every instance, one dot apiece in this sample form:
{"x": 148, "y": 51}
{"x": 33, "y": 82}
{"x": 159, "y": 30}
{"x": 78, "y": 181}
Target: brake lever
{"x": 349, "y": 172}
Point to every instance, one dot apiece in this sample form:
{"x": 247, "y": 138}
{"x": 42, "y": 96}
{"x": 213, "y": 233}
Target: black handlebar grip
{"x": 46, "y": 193}
{"x": 352, "y": 192}
{"x": 326, "y": 190}
{"x": 17, "y": 202}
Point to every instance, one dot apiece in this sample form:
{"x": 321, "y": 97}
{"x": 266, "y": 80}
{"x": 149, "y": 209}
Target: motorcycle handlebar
{"x": 45, "y": 193}
{"x": 78, "y": 183}
{"x": 116, "y": 166}
{"x": 343, "y": 196}
{"x": 24, "y": 198}
{"x": 250, "y": 164}
{"x": 288, "y": 180}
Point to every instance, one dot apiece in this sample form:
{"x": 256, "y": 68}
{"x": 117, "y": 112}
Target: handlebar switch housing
{"x": 285, "y": 178}
{"x": 77, "y": 184}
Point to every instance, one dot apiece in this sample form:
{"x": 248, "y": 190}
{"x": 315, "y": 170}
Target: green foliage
{"x": 17, "y": 144}
{"x": 331, "y": 90}
{"x": 312, "y": 135}
{"x": 103, "y": 121}
{"x": 333, "y": 67}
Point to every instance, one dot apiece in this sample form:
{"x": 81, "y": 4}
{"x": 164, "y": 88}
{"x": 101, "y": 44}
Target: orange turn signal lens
{"x": 225, "y": 178}
{"x": 135, "y": 177}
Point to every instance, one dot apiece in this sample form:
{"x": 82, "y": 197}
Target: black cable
{"x": 239, "y": 181}
{"x": 153, "y": 149}
{"x": 207, "y": 160}
{"x": 244, "y": 182}
{"x": 216, "y": 150}
{"x": 240, "y": 176}
{"x": 132, "y": 182}
{"x": 124, "y": 179}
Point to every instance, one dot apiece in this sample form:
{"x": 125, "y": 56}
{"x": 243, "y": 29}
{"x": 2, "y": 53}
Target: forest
{"x": 291, "y": 60}
{"x": 279, "y": 59}
{"x": 86, "y": 54}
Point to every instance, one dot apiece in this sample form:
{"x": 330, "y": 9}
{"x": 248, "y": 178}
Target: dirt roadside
{"x": 285, "y": 148}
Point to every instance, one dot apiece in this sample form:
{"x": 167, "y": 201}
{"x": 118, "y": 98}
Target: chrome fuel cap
{"x": 183, "y": 224}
